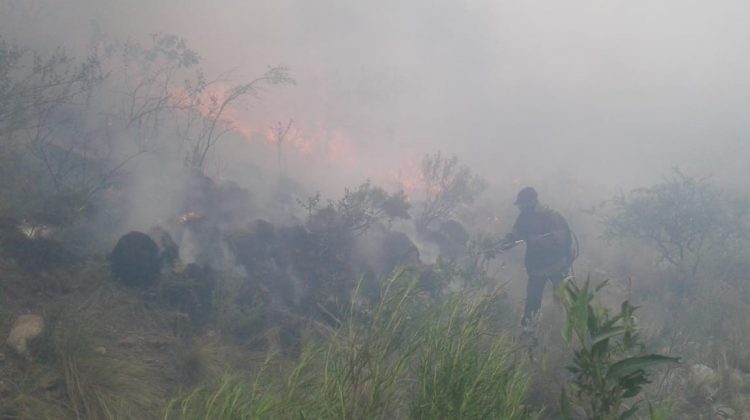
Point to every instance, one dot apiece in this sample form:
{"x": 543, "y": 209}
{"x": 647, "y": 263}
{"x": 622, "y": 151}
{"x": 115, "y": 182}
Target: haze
{"x": 606, "y": 92}
{"x": 198, "y": 186}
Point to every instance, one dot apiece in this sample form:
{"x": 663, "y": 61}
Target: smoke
{"x": 576, "y": 97}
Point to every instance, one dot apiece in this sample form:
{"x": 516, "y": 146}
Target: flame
{"x": 294, "y": 138}
{"x": 207, "y": 104}
{"x": 314, "y": 141}
{"x": 340, "y": 150}
{"x": 408, "y": 176}
{"x": 189, "y": 217}
{"x": 332, "y": 145}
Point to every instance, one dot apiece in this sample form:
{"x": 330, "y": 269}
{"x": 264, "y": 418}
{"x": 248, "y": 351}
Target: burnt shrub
{"x": 37, "y": 254}
{"x": 33, "y": 254}
{"x": 396, "y": 250}
{"x": 190, "y": 292}
{"x": 135, "y": 260}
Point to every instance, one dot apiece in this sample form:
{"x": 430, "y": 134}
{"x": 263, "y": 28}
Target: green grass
{"x": 402, "y": 357}
{"x": 466, "y": 369}
{"x": 232, "y": 398}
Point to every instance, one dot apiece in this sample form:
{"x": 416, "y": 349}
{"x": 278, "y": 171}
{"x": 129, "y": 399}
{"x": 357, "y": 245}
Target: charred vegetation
{"x": 135, "y": 260}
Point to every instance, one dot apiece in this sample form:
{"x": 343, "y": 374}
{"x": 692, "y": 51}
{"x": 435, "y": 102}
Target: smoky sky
{"x": 616, "y": 91}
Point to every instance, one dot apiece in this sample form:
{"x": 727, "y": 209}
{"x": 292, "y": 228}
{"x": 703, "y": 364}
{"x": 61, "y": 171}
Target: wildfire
{"x": 340, "y": 150}
{"x": 208, "y": 105}
{"x": 189, "y": 217}
{"x": 294, "y": 137}
{"x": 311, "y": 141}
{"x": 408, "y": 177}
{"x": 307, "y": 140}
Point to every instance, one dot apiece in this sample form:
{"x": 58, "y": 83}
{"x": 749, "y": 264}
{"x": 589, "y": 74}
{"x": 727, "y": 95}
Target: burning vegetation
{"x": 169, "y": 288}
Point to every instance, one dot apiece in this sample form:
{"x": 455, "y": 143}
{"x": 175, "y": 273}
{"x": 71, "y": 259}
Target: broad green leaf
{"x": 567, "y": 330}
{"x": 632, "y": 364}
{"x": 604, "y": 335}
{"x": 629, "y": 412}
{"x": 601, "y": 285}
{"x": 631, "y": 392}
{"x": 591, "y": 321}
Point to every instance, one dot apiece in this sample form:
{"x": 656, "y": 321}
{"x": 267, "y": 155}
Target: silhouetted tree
{"x": 682, "y": 218}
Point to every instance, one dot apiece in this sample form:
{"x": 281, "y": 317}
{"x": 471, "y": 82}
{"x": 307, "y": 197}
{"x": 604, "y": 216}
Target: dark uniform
{"x": 548, "y": 248}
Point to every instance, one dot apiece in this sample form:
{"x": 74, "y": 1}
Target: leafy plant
{"x": 610, "y": 365}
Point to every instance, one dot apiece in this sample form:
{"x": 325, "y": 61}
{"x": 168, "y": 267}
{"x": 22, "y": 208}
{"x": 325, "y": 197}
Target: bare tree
{"x": 74, "y": 125}
{"x": 207, "y": 123}
{"x": 32, "y": 87}
{"x": 152, "y": 80}
{"x": 279, "y": 133}
{"x": 447, "y": 187}
{"x": 40, "y": 99}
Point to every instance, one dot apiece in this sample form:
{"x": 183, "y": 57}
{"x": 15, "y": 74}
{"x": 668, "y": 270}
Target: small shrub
{"x": 36, "y": 254}
{"x": 190, "y": 292}
{"x": 240, "y": 306}
{"x": 682, "y": 218}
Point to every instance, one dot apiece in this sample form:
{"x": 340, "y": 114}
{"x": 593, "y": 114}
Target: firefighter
{"x": 549, "y": 250}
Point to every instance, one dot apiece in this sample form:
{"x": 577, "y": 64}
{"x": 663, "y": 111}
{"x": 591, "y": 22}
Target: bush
{"x": 190, "y": 292}
{"x": 682, "y": 218}
{"x": 36, "y": 254}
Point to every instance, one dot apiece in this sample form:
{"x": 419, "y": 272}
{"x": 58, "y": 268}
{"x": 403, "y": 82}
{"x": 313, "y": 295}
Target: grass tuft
{"x": 395, "y": 359}
{"x": 100, "y": 386}
{"x": 465, "y": 369}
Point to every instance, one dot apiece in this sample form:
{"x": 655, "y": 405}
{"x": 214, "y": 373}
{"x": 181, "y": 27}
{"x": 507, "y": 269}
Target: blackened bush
{"x": 396, "y": 250}
{"x": 135, "y": 260}
{"x": 191, "y": 292}
{"x": 36, "y": 254}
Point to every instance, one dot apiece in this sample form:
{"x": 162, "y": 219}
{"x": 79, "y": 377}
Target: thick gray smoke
{"x": 520, "y": 90}
{"x": 578, "y": 98}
